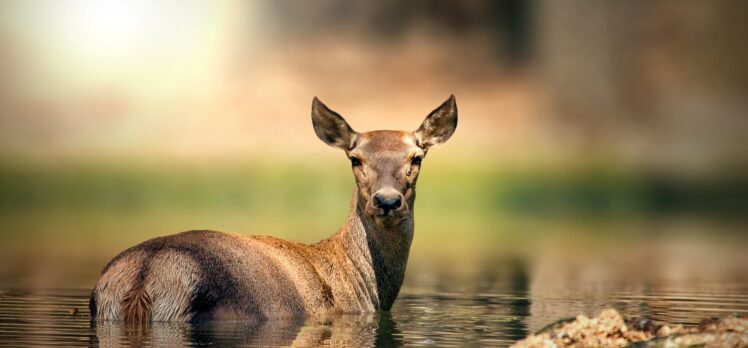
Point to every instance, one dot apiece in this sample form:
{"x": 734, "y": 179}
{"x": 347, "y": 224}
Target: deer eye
{"x": 416, "y": 161}
{"x": 355, "y": 161}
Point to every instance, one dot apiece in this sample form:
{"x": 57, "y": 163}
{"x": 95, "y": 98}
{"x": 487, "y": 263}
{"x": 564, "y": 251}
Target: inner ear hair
{"x": 330, "y": 127}
{"x": 439, "y": 125}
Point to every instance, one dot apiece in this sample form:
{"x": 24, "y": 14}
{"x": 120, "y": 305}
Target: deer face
{"x": 385, "y": 163}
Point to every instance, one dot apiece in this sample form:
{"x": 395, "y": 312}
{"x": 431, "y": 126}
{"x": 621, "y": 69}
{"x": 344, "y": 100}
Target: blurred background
{"x": 594, "y": 137}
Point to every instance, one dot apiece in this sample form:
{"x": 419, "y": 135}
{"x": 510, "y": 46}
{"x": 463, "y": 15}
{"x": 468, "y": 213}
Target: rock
{"x": 609, "y": 329}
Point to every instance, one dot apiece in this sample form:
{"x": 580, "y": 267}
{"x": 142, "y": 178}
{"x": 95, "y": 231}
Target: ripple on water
{"x": 49, "y": 318}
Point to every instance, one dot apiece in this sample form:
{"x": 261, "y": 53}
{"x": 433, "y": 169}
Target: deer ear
{"x": 439, "y": 125}
{"x": 331, "y": 127}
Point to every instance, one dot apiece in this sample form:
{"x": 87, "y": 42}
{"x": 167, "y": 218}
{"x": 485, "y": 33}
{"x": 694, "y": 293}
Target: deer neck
{"x": 378, "y": 251}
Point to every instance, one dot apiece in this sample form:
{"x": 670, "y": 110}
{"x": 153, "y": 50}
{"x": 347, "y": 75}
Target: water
{"x": 494, "y": 308}
{"x": 46, "y": 318}
{"x": 478, "y": 297}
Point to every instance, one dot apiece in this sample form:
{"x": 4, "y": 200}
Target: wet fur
{"x": 206, "y": 275}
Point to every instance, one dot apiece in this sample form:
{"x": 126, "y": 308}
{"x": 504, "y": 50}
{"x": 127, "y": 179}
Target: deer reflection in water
{"x": 339, "y": 330}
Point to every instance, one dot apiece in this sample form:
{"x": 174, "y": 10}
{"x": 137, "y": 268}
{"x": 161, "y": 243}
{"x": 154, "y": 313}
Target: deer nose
{"x": 387, "y": 201}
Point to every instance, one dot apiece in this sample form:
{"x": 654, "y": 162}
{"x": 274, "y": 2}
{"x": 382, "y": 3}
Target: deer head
{"x": 385, "y": 163}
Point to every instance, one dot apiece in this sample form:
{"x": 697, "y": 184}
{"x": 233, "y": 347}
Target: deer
{"x": 202, "y": 276}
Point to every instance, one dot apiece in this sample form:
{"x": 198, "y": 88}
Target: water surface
{"x": 492, "y": 303}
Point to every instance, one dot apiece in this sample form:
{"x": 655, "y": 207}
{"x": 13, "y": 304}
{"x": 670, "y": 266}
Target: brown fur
{"x": 207, "y": 275}
{"x": 136, "y": 305}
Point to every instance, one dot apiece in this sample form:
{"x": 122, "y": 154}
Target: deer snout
{"x": 388, "y": 200}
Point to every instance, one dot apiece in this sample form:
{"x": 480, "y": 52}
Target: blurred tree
{"x": 507, "y": 22}
{"x": 664, "y": 82}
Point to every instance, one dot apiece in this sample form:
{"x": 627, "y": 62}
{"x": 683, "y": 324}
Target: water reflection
{"x": 494, "y": 318}
{"x": 664, "y": 279}
{"x": 493, "y": 302}
{"x": 366, "y": 330}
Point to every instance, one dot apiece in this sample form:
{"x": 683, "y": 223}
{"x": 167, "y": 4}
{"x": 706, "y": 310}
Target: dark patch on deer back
{"x": 218, "y": 289}
{"x": 217, "y": 286}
